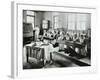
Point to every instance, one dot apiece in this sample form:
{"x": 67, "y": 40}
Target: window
{"x": 71, "y": 21}
{"x": 82, "y": 21}
{"x": 45, "y": 24}
{"x": 78, "y": 21}
{"x": 56, "y": 22}
{"x": 29, "y": 17}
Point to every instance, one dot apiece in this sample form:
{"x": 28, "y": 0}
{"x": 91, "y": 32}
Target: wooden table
{"x": 42, "y": 52}
{"x": 72, "y": 44}
{"x": 29, "y": 50}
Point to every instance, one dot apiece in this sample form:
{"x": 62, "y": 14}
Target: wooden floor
{"x": 59, "y": 60}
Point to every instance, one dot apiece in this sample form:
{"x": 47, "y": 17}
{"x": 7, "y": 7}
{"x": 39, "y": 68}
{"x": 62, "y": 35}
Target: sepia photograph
{"x": 54, "y": 39}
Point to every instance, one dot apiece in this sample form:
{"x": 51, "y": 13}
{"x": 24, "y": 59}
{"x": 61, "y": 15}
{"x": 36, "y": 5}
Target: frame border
{"x": 14, "y": 33}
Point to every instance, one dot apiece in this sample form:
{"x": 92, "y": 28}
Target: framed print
{"x": 52, "y": 40}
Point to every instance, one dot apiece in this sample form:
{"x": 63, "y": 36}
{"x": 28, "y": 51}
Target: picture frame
{"x": 17, "y": 50}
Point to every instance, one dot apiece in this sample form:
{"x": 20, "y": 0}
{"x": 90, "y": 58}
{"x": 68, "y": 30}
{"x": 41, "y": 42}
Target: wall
{"x": 38, "y": 18}
{"x": 49, "y": 16}
{"x": 5, "y": 40}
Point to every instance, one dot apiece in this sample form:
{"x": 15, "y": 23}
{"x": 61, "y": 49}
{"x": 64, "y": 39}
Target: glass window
{"x": 56, "y": 22}
{"x": 71, "y": 21}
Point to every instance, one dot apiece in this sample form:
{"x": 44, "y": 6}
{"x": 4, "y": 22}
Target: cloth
{"x": 46, "y": 52}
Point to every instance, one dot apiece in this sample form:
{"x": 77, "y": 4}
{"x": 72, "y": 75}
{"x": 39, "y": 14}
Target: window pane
{"x": 71, "y": 17}
{"x": 82, "y": 21}
{"x": 56, "y": 22}
{"x": 30, "y": 19}
{"x": 71, "y": 26}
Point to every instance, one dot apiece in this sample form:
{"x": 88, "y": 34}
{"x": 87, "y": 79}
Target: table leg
{"x": 27, "y": 54}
